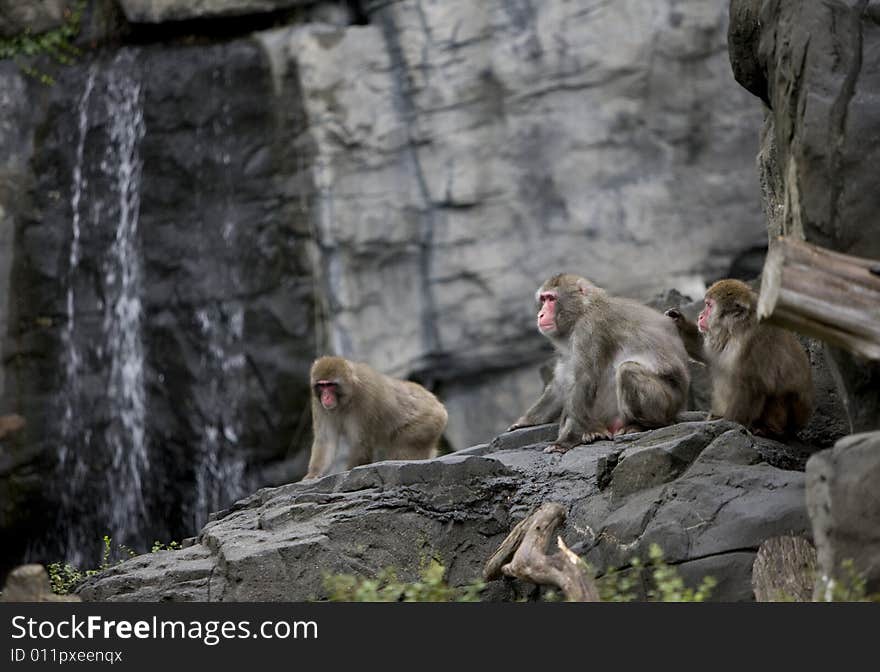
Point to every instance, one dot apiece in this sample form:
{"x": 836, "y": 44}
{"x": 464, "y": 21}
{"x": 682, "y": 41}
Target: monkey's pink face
{"x": 547, "y": 313}
{"x": 703, "y": 319}
{"x": 326, "y": 391}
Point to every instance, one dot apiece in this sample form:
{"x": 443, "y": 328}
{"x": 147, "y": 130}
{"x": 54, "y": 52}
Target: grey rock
{"x": 30, "y": 583}
{"x": 661, "y": 458}
{"x": 844, "y": 507}
{"x": 709, "y": 517}
{"x": 159, "y": 11}
{"x": 36, "y": 17}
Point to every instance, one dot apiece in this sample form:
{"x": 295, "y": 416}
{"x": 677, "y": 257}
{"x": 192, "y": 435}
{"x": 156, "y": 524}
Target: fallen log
{"x": 828, "y": 295}
{"x": 523, "y": 555}
{"x": 784, "y": 570}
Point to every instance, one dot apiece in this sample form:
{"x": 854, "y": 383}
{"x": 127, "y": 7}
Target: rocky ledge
{"x": 709, "y": 493}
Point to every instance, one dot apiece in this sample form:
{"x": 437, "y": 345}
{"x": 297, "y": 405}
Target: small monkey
{"x": 620, "y": 365}
{"x": 10, "y": 424}
{"x": 760, "y": 373}
{"x": 360, "y": 416}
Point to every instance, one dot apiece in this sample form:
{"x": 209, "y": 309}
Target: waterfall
{"x": 71, "y": 461}
{"x": 220, "y": 461}
{"x": 101, "y": 466}
{"x": 220, "y": 465}
{"x": 122, "y": 319}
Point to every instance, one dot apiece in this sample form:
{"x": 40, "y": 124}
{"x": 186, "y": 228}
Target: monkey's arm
{"x": 579, "y": 425}
{"x": 324, "y": 447}
{"x": 547, "y": 409}
{"x": 689, "y": 333}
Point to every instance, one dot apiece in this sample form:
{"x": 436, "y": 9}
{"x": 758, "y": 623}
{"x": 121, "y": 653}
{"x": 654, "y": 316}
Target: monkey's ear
{"x": 741, "y": 307}
{"x": 583, "y": 286}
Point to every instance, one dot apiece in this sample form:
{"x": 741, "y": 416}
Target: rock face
{"x": 158, "y": 11}
{"x": 815, "y": 65}
{"x": 844, "y": 507}
{"x": 559, "y": 132}
{"x": 38, "y": 17}
{"x": 708, "y": 493}
{"x": 189, "y": 219}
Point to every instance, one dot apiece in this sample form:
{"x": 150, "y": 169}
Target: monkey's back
{"x": 776, "y": 365}
{"x": 405, "y": 420}
{"x": 644, "y": 330}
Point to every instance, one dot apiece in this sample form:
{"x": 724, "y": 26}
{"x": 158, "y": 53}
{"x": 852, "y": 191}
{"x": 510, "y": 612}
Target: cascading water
{"x": 70, "y": 458}
{"x": 126, "y": 434}
{"x": 112, "y": 479}
{"x": 100, "y": 474}
{"x": 220, "y": 463}
{"x": 221, "y": 466}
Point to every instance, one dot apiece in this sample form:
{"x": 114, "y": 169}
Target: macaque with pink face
{"x": 703, "y": 319}
{"x": 620, "y": 365}
{"x": 761, "y": 376}
{"x": 360, "y": 416}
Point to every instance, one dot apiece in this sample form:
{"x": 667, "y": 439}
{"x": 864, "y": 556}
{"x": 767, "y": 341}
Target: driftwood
{"x": 828, "y": 295}
{"x": 523, "y": 555}
{"x": 784, "y": 570}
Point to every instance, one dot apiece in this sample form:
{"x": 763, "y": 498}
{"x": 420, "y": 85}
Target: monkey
{"x": 360, "y": 416}
{"x": 620, "y": 365}
{"x": 761, "y": 374}
{"x": 10, "y": 424}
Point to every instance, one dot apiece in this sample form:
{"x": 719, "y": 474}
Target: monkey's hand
{"x": 557, "y": 448}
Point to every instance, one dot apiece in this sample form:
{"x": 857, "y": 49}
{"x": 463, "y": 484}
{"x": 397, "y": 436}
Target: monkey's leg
{"x": 745, "y": 405}
{"x": 646, "y": 399}
{"x": 547, "y": 409}
{"x": 774, "y": 417}
{"x": 571, "y": 434}
{"x": 414, "y": 447}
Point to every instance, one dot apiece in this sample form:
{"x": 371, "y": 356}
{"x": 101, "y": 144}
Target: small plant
{"x": 619, "y": 586}
{"x": 56, "y": 43}
{"x": 159, "y": 546}
{"x": 665, "y": 583}
{"x": 386, "y": 587}
{"x": 669, "y": 586}
{"x": 64, "y": 577}
{"x": 849, "y": 587}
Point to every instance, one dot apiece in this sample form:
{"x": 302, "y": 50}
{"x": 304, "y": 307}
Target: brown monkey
{"x": 760, "y": 374}
{"x": 360, "y": 416}
{"x": 620, "y": 365}
{"x": 10, "y": 424}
